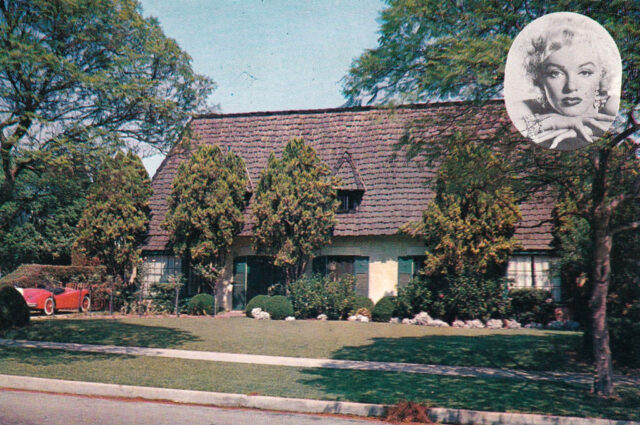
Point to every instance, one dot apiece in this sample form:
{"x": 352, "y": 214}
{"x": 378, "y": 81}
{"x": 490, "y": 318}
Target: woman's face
{"x": 571, "y": 79}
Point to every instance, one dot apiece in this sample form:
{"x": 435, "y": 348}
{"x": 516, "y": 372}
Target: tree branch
{"x": 630, "y": 226}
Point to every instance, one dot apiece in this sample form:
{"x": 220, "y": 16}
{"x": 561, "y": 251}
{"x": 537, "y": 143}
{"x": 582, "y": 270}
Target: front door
{"x": 253, "y": 275}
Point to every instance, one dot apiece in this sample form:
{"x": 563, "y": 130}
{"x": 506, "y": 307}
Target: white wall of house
{"x": 526, "y": 270}
{"x": 383, "y": 253}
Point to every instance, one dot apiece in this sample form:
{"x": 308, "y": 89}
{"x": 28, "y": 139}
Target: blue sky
{"x": 267, "y": 55}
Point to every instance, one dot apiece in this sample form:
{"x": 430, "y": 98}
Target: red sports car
{"x": 51, "y": 299}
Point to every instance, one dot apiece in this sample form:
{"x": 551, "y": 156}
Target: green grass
{"x": 327, "y": 384}
{"x": 522, "y": 349}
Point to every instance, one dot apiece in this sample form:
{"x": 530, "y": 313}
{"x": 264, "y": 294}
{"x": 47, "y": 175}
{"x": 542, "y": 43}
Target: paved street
{"x": 28, "y": 408}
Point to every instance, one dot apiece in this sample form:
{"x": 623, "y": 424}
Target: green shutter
{"x": 361, "y": 265}
{"x": 405, "y": 265}
{"x": 319, "y": 265}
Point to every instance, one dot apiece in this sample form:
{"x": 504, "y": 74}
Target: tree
{"x": 80, "y": 75}
{"x": 39, "y": 224}
{"x": 115, "y": 221}
{"x": 469, "y": 225}
{"x": 205, "y": 208}
{"x": 435, "y": 50}
{"x": 294, "y": 209}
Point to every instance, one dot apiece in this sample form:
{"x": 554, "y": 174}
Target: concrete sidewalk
{"x": 460, "y": 371}
{"x": 439, "y": 415}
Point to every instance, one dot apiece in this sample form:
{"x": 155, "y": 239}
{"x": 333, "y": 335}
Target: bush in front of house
{"x": 278, "y": 307}
{"x": 14, "y": 311}
{"x": 259, "y": 301}
{"x": 624, "y": 330}
{"x": 307, "y": 296}
{"x": 384, "y": 309}
{"x": 531, "y": 305}
{"x": 473, "y": 296}
{"x": 315, "y": 295}
{"x": 201, "y": 304}
{"x": 414, "y": 298}
{"x": 360, "y": 301}
{"x": 340, "y": 296}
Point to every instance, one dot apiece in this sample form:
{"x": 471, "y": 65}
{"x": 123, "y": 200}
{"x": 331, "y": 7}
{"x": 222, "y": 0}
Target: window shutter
{"x": 361, "y": 270}
{"x": 361, "y": 265}
{"x": 319, "y": 265}
{"x": 405, "y": 265}
{"x": 240, "y": 272}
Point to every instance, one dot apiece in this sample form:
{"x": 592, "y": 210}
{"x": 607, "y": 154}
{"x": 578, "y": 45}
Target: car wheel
{"x": 49, "y": 306}
{"x": 86, "y": 304}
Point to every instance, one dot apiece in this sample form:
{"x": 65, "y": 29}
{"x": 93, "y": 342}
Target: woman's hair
{"x": 543, "y": 45}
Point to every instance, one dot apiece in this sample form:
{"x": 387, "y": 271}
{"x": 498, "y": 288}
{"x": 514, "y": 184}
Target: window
{"x": 349, "y": 200}
{"x": 408, "y": 268}
{"x": 158, "y": 268}
{"x": 336, "y": 266}
{"x": 533, "y": 271}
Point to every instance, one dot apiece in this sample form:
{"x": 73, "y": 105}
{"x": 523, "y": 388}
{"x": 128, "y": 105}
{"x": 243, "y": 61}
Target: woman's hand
{"x": 561, "y": 127}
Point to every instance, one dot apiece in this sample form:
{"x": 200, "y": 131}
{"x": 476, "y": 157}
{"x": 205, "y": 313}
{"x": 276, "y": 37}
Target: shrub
{"x": 340, "y": 296}
{"x": 531, "y": 305}
{"x": 255, "y": 302}
{"x": 413, "y": 298}
{"x": 473, "y": 296}
{"x": 307, "y": 296}
{"x": 360, "y": 301}
{"x": 314, "y": 295}
{"x": 41, "y": 275}
{"x": 278, "y": 307}
{"x": 201, "y": 304}
{"x": 624, "y": 329}
{"x": 384, "y": 309}
{"x": 13, "y": 308}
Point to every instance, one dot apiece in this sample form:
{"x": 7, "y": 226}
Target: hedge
{"x": 14, "y": 311}
{"x": 42, "y": 275}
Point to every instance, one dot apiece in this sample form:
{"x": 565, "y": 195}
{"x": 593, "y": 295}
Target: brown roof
{"x": 359, "y": 145}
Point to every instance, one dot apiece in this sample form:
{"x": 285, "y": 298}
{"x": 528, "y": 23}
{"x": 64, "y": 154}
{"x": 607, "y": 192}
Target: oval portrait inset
{"x": 562, "y": 81}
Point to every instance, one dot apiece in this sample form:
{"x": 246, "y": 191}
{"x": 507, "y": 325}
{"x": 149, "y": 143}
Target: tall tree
{"x": 115, "y": 220}
{"x": 77, "y": 75}
{"x": 469, "y": 225}
{"x": 294, "y": 209}
{"x": 432, "y": 49}
{"x": 39, "y": 224}
{"x": 206, "y": 207}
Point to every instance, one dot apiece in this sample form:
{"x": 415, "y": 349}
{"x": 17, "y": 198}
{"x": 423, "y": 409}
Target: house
{"x": 381, "y": 190}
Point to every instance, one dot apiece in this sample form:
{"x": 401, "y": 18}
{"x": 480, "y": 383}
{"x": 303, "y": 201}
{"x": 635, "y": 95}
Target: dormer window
{"x": 349, "y": 200}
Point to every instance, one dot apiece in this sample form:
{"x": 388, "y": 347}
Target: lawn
{"x": 521, "y": 349}
{"x": 326, "y": 384}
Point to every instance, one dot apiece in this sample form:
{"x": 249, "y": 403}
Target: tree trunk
{"x": 603, "y": 382}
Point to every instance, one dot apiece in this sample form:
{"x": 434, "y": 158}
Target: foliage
{"x": 531, "y": 305}
{"x": 39, "y": 224}
{"x": 14, "y": 311}
{"x": 340, "y": 295}
{"x": 414, "y": 298}
{"x": 80, "y": 76}
{"x": 163, "y": 296}
{"x": 409, "y": 412}
{"x": 40, "y": 275}
{"x": 384, "y": 309}
{"x": 279, "y": 307}
{"x": 469, "y": 226}
{"x": 259, "y": 301}
{"x": 201, "y": 304}
{"x": 294, "y": 209}
{"x": 433, "y": 50}
{"x": 205, "y": 208}
{"x": 307, "y": 296}
{"x": 474, "y": 296}
{"x": 360, "y": 301}
{"x": 315, "y": 295}
{"x": 114, "y": 222}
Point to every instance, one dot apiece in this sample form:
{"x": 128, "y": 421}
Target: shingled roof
{"x": 358, "y": 144}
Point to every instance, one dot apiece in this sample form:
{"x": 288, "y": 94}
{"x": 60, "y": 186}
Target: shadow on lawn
{"x": 104, "y": 331}
{"x": 476, "y": 394}
{"x": 547, "y": 351}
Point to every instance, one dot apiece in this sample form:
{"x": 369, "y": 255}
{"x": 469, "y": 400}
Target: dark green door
{"x": 253, "y": 275}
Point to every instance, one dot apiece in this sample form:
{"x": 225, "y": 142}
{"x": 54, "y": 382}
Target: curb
{"x": 436, "y": 414}
{"x": 190, "y": 396}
